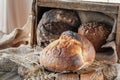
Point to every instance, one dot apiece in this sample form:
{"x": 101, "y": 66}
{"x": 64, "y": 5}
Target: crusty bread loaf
{"x": 53, "y": 23}
{"x": 95, "y": 32}
{"x": 68, "y": 53}
{"x": 60, "y": 15}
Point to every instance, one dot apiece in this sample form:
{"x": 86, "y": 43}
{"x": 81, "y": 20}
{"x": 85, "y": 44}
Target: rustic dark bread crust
{"x": 53, "y": 23}
{"x": 68, "y": 53}
{"x": 97, "y": 33}
{"x": 57, "y": 27}
{"x": 60, "y": 15}
{"x": 50, "y": 32}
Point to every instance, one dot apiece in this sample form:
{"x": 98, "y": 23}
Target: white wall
{"x": 3, "y": 15}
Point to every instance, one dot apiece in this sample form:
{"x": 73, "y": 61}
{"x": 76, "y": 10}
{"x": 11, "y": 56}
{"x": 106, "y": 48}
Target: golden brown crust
{"x": 67, "y": 54}
{"x": 97, "y": 33}
{"x": 88, "y": 50}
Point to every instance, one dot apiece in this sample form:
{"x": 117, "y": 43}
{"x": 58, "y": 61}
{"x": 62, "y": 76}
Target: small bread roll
{"x": 70, "y": 52}
{"x": 97, "y": 33}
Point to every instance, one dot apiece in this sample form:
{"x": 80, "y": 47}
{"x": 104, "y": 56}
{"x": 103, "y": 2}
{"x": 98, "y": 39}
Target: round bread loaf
{"x": 70, "y": 52}
{"x": 53, "y": 23}
{"x": 97, "y": 33}
{"x": 60, "y": 15}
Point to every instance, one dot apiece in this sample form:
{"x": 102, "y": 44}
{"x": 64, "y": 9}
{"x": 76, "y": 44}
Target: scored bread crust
{"x": 68, "y": 53}
{"x": 95, "y": 32}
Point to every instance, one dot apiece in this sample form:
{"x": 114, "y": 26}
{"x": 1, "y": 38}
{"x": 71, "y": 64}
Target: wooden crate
{"x": 40, "y": 6}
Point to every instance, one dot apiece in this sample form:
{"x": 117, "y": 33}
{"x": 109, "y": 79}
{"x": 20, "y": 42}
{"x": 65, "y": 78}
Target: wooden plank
{"x": 81, "y": 5}
{"x": 68, "y": 77}
{"x": 92, "y": 76}
{"x": 34, "y": 23}
{"x": 118, "y": 35}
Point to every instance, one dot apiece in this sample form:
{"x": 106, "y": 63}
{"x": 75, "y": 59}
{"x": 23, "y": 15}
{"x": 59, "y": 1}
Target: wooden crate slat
{"x": 68, "y": 77}
{"x": 92, "y": 76}
{"x": 87, "y": 6}
{"x": 34, "y": 24}
{"x": 118, "y": 34}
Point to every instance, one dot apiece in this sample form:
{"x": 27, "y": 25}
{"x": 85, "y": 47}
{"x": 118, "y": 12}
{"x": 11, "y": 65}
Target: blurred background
{"x": 14, "y": 13}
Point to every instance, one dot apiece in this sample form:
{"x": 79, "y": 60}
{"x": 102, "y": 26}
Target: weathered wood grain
{"x": 81, "y": 5}
{"x": 92, "y": 76}
{"x": 68, "y": 77}
{"x": 34, "y": 25}
{"x": 118, "y": 34}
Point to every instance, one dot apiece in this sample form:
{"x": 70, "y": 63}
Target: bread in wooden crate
{"x": 53, "y": 23}
{"x": 96, "y": 32}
